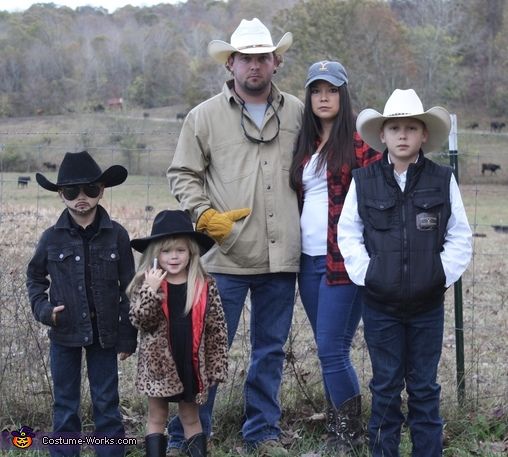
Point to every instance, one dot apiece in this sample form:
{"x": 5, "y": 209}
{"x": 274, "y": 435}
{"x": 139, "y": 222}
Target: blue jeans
{"x": 272, "y": 298}
{"x": 404, "y": 352}
{"x": 103, "y": 378}
{"x": 334, "y": 313}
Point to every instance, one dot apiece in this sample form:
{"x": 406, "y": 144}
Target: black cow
{"x": 473, "y": 125}
{"x": 50, "y": 166}
{"x": 496, "y": 126}
{"x": 23, "y": 181}
{"x": 492, "y": 167}
{"x": 180, "y": 116}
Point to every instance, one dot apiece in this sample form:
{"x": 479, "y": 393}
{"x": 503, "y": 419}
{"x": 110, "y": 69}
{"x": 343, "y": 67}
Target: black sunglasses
{"x": 259, "y": 140}
{"x": 72, "y": 192}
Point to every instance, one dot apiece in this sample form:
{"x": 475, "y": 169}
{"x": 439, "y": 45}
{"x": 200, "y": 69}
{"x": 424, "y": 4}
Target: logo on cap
{"x": 322, "y": 65}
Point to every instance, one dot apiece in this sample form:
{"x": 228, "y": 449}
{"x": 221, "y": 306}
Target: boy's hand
{"x": 154, "y": 278}
{"x": 124, "y": 355}
{"x": 56, "y": 310}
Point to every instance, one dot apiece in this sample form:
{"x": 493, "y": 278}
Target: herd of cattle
{"x": 495, "y": 126}
{"x": 24, "y": 180}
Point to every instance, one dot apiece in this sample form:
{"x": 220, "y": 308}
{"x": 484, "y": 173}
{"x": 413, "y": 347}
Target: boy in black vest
{"x": 404, "y": 235}
{"x": 76, "y": 283}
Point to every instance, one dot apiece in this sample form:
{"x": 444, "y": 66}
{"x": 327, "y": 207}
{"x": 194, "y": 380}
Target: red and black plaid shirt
{"x": 338, "y": 185}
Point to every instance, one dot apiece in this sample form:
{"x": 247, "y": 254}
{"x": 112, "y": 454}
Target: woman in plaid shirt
{"x": 326, "y": 152}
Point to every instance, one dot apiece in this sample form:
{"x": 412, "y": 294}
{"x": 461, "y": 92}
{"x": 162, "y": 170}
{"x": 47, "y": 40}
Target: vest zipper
{"x": 405, "y": 269}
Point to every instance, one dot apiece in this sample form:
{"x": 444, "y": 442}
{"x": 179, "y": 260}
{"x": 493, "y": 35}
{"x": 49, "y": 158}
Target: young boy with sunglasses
{"x": 76, "y": 284}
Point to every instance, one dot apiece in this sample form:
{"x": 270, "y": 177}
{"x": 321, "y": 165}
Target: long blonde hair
{"x": 196, "y": 274}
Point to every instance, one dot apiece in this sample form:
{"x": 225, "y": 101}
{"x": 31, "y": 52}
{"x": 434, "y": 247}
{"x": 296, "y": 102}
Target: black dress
{"x": 180, "y": 339}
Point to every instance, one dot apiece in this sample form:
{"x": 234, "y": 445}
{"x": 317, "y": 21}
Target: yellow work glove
{"x": 219, "y": 225}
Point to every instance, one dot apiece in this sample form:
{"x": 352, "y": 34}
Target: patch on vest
{"x": 427, "y": 221}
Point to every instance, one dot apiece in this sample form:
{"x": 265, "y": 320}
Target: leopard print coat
{"x": 157, "y": 375}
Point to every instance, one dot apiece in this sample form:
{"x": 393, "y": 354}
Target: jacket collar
{"x": 413, "y": 170}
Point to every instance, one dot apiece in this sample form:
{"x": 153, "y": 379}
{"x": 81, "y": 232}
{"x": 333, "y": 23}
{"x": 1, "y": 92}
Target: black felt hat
{"x": 173, "y": 223}
{"x": 81, "y": 168}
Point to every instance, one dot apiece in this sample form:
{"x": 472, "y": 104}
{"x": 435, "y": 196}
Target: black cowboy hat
{"x": 173, "y": 223}
{"x": 81, "y": 168}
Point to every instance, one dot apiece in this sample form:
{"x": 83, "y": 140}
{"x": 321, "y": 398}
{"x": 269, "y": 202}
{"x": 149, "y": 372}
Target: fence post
{"x": 457, "y": 287}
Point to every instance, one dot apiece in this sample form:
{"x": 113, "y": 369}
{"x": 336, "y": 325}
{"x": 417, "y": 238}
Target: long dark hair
{"x": 338, "y": 150}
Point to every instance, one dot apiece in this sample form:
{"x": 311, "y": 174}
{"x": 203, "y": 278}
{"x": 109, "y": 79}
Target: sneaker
{"x": 271, "y": 448}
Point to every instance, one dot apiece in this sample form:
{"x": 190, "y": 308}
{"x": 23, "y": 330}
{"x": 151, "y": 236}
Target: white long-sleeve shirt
{"x": 457, "y": 249}
{"x": 314, "y": 217}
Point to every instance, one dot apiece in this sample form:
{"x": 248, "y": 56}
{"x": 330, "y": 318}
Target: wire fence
{"x": 145, "y": 145}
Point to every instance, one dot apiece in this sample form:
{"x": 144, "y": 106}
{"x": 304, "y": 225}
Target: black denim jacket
{"x": 56, "y": 276}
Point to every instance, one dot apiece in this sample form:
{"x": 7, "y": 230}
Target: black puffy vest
{"x": 404, "y": 235}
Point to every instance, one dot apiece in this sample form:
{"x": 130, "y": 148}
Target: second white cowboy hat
{"x": 405, "y": 103}
{"x": 250, "y": 37}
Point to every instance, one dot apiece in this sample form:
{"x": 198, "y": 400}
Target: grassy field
{"x": 477, "y": 428}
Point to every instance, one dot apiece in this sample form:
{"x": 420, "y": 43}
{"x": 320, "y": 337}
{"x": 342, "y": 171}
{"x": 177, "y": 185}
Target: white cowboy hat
{"x": 250, "y": 37}
{"x": 405, "y": 103}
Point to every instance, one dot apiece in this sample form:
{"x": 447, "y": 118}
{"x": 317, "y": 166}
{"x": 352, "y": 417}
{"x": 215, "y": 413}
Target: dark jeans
{"x": 272, "y": 299}
{"x": 404, "y": 352}
{"x": 334, "y": 313}
{"x": 102, "y": 368}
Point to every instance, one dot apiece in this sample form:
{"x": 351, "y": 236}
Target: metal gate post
{"x": 457, "y": 287}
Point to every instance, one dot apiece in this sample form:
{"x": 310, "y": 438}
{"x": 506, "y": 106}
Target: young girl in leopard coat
{"x": 177, "y": 309}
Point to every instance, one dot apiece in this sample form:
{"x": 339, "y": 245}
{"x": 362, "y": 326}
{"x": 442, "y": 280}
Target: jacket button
{"x": 85, "y": 339}
{"x": 83, "y": 315}
{"x": 61, "y": 256}
{"x": 113, "y": 256}
{"x": 77, "y": 258}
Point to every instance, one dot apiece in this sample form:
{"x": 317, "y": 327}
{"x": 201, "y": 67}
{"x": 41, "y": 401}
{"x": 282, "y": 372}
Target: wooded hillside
{"x": 55, "y": 60}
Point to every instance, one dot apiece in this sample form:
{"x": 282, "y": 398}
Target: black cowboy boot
{"x": 155, "y": 445}
{"x": 344, "y": 426}
{"x": 196, "y": 445}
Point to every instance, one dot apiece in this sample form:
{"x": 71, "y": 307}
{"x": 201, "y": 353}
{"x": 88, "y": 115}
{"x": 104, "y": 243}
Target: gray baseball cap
{"x": 326, "y": 70}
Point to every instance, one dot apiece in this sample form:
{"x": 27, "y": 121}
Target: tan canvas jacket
{"x": 216, "y": 166}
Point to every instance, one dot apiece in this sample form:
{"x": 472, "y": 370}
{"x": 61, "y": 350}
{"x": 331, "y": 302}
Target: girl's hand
{"x": 154, "y": 277}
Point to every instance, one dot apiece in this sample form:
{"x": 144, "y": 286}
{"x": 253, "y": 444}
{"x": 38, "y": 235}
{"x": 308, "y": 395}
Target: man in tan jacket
{"x": 230, "y": 171}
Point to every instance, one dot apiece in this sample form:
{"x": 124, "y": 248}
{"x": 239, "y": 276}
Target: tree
{"x": 363, "y": 35}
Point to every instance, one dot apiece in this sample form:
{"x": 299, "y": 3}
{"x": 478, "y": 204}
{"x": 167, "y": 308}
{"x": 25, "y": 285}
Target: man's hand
{"x": 219, "y": 225}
